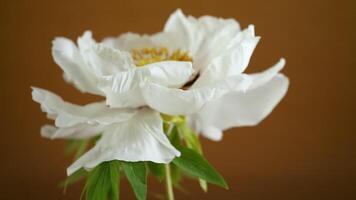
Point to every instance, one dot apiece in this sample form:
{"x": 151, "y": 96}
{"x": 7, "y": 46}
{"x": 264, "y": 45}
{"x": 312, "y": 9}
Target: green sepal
{"x": 190, "y": 137}
{"x": 157, "y": 169}
{"x": 75, "y": 177}
{"x": 77, "y": 147}
{"x": 196, "y": 165}
{"x": 174, "y": 137}
{"x": 136, "y": 174}
{"x": 172, "y": 119}
{"x": 203, "y": 185}
{"x": 176, "y": 174}
{"x": 103, "y": 182}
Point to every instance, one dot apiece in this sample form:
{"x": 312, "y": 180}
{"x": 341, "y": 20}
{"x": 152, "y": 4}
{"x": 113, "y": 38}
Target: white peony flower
{"x": 193, "y": 68}
{"x": 218, "y": 95}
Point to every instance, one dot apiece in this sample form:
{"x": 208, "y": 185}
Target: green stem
{"x": 169, "y": 185}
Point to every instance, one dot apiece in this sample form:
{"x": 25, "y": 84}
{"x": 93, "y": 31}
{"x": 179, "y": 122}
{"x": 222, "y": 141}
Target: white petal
{"x": 261, "y": 78}
{"x": 139, "y": 139}
{"x": 67, "y": 114}
{"x": 194, "y": 33}
{"x": 182, "y": 102}
{"x": 177, "y": 23}
{"x": 170, "y": 73}
{"x": 85, "y": 41}
{"x": 170, "y": 40}
{"x": 205, "y": 38}
{"x": 129, "y": 41}
{"x": 211, "y": 23}
{"x": 78, "y": 131}
{"x": 239, "y": 108}
{"x": 228, "y": 59}
{"x": 103, "y": 60}
{"x": 67, "y": 56}
{"x": 123, "y": 89}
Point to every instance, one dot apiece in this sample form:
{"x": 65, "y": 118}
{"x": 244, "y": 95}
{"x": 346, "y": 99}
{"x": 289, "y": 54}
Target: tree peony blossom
{"x": 160, "y": 91}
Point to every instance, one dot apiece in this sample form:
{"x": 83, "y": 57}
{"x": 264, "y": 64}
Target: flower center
{"x": 146, "y": 56}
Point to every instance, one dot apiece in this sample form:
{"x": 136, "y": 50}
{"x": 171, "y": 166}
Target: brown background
{"x": 304, "y": 150}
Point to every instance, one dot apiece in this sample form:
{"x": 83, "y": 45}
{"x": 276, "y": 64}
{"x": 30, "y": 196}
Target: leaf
{"x": 157, "y": 169}
{"x": 137, "y": 176}
{"x": 103, "y": 182}
{"x": 192, "y": 140}
{"x": 193, "y": 163}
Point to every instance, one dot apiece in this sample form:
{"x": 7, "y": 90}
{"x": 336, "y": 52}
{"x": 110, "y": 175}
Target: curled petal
{"x": 103, "y": 60}
{"x": 230, "y": 59}
{"x": 261, "y": 78}
{"x": 193, "y": 33}
{"x": 139, "y": 139}
{"x": 236, "y": 109}
{"x": 78, "y": 131}
{"x": 182, "y": 102}
{"x": 66, "y": 114}
{"x": 67, "y": 56}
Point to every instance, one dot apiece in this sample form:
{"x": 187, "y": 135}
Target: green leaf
{"x": 194, "y": 163}
{"x": 137, "y": 176}
{"x": 192, "y": 141}
{"x": 103, "y": 182}
{"x": 157, "y": 169}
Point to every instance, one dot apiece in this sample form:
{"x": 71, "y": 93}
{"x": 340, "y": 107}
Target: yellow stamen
{"x": 146, "y": 56}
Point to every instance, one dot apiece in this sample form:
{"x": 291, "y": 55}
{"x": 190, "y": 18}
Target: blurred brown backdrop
{"x": 305, "y": 150}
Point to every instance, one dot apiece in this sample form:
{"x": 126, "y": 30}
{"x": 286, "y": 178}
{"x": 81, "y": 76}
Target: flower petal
{"x": 240, "y": 108}
{"x": 105, "y": 61}
{"x": 129, "y": 41}
{"x": 206, "y": 39}
{"x": 139, "y": 139}
{"x": 230, "y": 59}
{"x": 78, "y": 131}
{"x": 67, "y": 56}
{"x": 261, "y": 78}
{"x": 194, "y": 33}
{"x": 123, "y": 89}
{"x": 182, "y": 102}
{"x": 66, "y": 114}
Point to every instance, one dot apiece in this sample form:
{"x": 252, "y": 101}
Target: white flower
{"x": 219, "y": 95}
{"x": 126, "y": 134}
{"x": 194, "y": 67}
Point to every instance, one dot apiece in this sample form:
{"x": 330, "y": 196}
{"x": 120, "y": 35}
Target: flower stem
{"x": 169, "y": 185}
